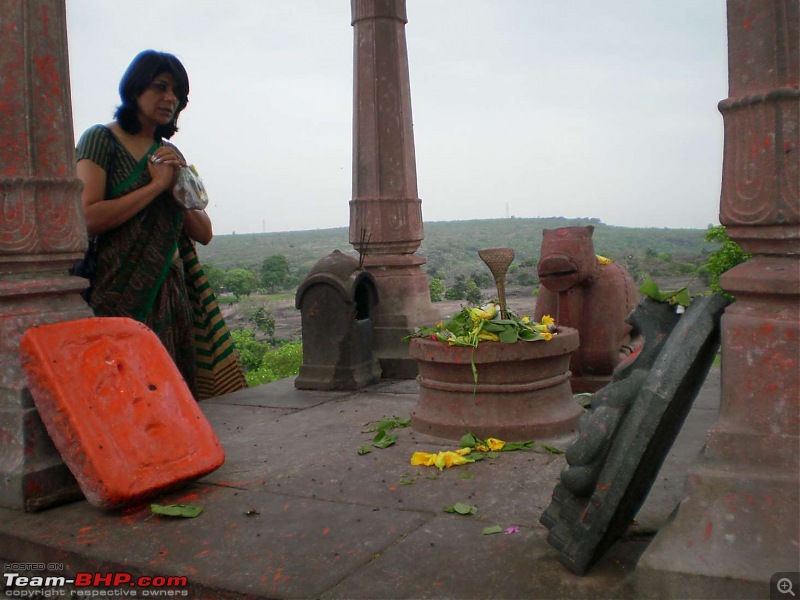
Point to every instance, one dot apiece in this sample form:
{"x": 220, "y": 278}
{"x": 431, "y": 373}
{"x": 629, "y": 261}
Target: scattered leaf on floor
{"x": 493, "y": 529}
{"x": 364, "y": 450}
{"x": 552, "y": 449}
{"x": 461, "y": 509}
{"x": 383, "y": 439}
{"x": 188, "y": 511}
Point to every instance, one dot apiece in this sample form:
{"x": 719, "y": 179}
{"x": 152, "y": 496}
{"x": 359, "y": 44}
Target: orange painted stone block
{"x": 117, "y": 409}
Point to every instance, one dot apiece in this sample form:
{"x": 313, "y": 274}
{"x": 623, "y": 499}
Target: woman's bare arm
{"x": 102, "y": 215}
{"x": 197, "y": 226}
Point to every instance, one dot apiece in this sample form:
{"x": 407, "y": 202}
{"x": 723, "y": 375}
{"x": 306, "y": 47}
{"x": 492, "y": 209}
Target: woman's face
{"x": 158, "y": 102}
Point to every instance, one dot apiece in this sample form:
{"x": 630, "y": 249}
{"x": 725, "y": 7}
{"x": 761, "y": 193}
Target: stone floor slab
{"x": 263, "y": 544}
{"x": 295, "y": 512}
{"x": 450, "y": 557}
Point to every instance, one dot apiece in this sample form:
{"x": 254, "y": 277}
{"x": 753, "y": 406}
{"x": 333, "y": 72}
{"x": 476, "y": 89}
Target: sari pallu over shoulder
{"x": 134, "y": 258}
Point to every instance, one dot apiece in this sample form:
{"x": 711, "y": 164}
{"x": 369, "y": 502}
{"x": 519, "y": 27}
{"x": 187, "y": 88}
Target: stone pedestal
{"x": 741, "y": 514}
{"x": 42, "y": 234}
{"x": 522, "y": 390}
{"x": 386, "y": 213}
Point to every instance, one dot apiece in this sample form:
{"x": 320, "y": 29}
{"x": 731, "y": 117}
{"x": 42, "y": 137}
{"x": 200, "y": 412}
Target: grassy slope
{"x": 452, "y": 246}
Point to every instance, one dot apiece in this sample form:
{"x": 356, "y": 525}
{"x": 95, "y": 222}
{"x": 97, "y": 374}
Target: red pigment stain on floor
{"x": 326, "y": 531}
{"x": 709, "y": 530}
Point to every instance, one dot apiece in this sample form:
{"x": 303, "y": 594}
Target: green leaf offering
{"x": 364, "y": 450}
{"x": 188, "y": 511}
{"x": 461, "y": 509}
{"x": 383, "y": 439}
{"x": 509, "y": 336}
{"x": 492, "y": 530}
{"x": 468, "y": 441}
{"x": 511, "y": 446}
{"x": 552, "y": 449}
{"x": 650, "y": 289}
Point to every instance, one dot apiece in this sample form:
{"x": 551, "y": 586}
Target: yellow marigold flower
{"x": 494, "y": 444}
{"x": 488, "y": 336}
{"x": 548, "y": 320}
{"x": 547, "y": 336}
{"x": 449, "y": 459}
{"x": 463, "y": 451}
{"x": 425, "y": 459}
{"x": 526, "y": 319}
{"x": 482, "y": 448}
{"x": 603, "y": 260}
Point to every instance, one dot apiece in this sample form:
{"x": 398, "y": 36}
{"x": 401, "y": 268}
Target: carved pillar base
{"x": 404, "y": 303}
{"x": 741, "y": 514}
{"x": 32, "y": 475}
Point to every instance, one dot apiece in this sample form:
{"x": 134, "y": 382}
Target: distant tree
{"x": 473, "y": 294}
{"x": 274, "y": 272}
{"x": 526, "y": 278}
{"x": 265, "y": 321}
{"x": 240, "y": 282}
{"x": 215, "y": 276}
{"x": 727, "y": 256}
{"x": 436, "y": 289}
{"x": 458, "y": 291}
{"x": 482, "y": 280}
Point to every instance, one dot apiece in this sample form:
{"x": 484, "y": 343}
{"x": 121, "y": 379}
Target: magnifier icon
{"x": 784, "y": 586}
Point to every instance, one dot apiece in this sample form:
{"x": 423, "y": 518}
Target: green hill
{"x": 451, "y": 247}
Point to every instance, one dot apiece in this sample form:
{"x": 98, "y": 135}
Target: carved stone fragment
{"x": 630, "y": 428}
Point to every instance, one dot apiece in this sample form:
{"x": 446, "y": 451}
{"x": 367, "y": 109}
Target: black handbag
{"x": 86, "y": 267}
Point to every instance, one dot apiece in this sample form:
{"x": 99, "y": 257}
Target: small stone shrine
{"x": 337, "y": 301}
{"x": 590, "y": 294}
{"x": 625, "y": 436}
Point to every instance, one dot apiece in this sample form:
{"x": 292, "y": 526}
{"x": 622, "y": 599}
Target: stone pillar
{"x": 385, "y": 213}
{"x": 741, "y": 514}
{"x": 42, "y": 234}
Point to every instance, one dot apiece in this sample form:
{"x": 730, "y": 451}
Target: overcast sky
{"x": 575, "y": 108}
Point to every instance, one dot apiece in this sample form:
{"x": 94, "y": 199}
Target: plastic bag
{"x": 189, "y": 190}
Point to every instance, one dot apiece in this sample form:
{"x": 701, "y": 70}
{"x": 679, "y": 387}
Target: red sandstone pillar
{"x": 41, "y": 234}
{"x": 741, "y": 514}
{"x": 385, "y": 213}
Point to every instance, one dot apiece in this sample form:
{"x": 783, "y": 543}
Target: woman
{"x": 128, "y": 171}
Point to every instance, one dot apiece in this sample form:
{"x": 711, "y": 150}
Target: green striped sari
{"x": 141, "y": 274}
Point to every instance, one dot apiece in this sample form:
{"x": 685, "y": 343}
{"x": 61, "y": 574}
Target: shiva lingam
{"x": 498, "y": 260}
{"x": 521, "y": 390}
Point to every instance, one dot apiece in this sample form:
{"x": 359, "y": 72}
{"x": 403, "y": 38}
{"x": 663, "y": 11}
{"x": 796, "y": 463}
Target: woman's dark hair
{"x": 147, "y": 65}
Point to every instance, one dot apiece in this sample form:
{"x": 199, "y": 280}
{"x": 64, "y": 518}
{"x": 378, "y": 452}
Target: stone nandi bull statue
{"x": 591, "y": 294}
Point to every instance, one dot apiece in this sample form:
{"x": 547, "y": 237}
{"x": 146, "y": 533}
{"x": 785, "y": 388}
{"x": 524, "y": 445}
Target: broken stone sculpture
{"x": 629, "y": 429}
